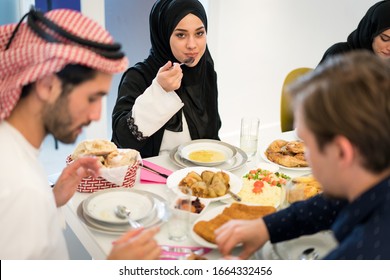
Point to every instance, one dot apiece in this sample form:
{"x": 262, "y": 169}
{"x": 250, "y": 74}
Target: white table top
{"x": 99, "y": 244}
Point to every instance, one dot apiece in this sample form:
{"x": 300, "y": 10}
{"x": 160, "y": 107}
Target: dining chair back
{"x": 286, "y": 114}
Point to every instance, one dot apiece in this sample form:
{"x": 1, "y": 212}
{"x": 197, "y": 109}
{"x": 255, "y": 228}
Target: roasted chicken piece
{"x": 289, "y": 154}
{"x": 286, "y": 160}
{"x": 295, "y": 147}
{"x": 276, "y": 146}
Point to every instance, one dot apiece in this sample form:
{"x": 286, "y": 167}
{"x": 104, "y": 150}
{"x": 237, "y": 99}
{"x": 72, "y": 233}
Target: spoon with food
{"x": 187, "y": 61}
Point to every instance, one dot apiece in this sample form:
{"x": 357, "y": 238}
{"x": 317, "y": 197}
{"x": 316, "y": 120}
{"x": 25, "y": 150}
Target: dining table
{"x": 98, "y": 244}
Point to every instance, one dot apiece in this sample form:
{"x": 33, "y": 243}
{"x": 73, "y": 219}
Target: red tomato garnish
{"x": 257, "y": 187}
{"x": 267, "y": 179}
{"x": 257, "y": 190}
{"x": 258, "y": 184}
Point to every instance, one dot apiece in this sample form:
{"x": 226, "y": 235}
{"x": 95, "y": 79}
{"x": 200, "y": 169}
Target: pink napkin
{"x": 170, "y": 252}
{"x": 148, "y": 177}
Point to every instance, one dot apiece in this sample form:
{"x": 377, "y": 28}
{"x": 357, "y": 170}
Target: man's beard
{"x": 58, "y": 121}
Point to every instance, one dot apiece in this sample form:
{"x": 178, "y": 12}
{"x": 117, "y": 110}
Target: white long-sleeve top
{"x": 153, "y": 109}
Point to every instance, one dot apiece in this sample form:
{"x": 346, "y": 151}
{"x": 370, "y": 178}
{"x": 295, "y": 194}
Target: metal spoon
{"x": 188, "y": 60}
{"x": 234, "y": 196}
{"x": 122, "y": 212}
{"x": 309, "y": 254}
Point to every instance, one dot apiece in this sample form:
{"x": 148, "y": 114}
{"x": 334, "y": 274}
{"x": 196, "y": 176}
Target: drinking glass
{"x": 179, "y": 221}
{"x": 249, "y": 135}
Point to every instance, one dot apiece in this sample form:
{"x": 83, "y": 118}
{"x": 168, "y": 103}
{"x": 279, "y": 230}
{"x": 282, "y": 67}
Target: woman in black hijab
{"x": 161, "y": 101}
{"x": 372, "y": 33}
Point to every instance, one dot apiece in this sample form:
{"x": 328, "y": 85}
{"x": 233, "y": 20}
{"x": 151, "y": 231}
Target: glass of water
{"x": 249, "y": 135}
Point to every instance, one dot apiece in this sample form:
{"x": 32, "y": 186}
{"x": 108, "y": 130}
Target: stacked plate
{"x": 230, "y": 157}
{"x": 98, "y": 210}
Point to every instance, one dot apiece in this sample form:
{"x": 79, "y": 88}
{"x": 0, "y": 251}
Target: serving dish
{"x": 193, "y": 216}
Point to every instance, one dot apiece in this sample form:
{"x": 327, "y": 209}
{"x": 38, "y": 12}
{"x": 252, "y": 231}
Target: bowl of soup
{"x": 207, "y": 152}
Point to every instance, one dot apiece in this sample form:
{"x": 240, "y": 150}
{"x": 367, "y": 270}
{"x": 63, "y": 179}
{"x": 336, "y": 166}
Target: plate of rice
{"x": 263, "y": 187}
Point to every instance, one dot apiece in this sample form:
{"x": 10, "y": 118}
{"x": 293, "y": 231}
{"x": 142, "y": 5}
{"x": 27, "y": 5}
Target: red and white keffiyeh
{"x": 29, "y": 57}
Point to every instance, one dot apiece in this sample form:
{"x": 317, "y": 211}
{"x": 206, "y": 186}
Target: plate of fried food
{"x": 286, "y": 154}
{"x": 302, "y": 188}
{"x": 204, "y": 227}
{"x": 208, "y": 183}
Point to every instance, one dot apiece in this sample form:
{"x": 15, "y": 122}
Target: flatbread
{"x": 121, "y": 158}
{"x": 98, "y": 147}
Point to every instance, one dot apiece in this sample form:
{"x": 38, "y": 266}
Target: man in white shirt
{"x": 54, "y": 71}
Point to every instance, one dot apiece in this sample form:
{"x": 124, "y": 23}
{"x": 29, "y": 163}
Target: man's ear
{"x": 48, "y": 87}
{"x": 345, "y": 150}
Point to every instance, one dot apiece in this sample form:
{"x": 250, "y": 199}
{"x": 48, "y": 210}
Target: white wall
{"x": 95, "y": 10}
{"x": 255, "y": 43}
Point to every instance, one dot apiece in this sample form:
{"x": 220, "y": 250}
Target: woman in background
{"x": 171, "y": 97}
{"x": 372, "y": 33}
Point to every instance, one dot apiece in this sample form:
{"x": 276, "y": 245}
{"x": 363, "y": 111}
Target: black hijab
{"x": 375, "y": 21}
{"x": 198, "y": 89}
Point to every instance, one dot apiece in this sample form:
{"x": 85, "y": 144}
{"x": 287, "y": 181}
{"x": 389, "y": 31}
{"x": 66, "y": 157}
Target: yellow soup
{"x": 206, "y": 156}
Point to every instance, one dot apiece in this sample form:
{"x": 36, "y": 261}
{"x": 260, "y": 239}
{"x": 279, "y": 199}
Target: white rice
{"x": 269, "y": 196}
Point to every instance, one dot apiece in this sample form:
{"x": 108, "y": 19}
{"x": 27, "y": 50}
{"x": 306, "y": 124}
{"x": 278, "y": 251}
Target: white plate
{"x": 322, "y": 242}
{"x": 234, "y": 163}
{"x": 210, "y": 214}
{"x": 158, "y": 216}
{"x": 175, "y": 178}
{"x": 101, "y": 205}
{"x": 228, "y": 151}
